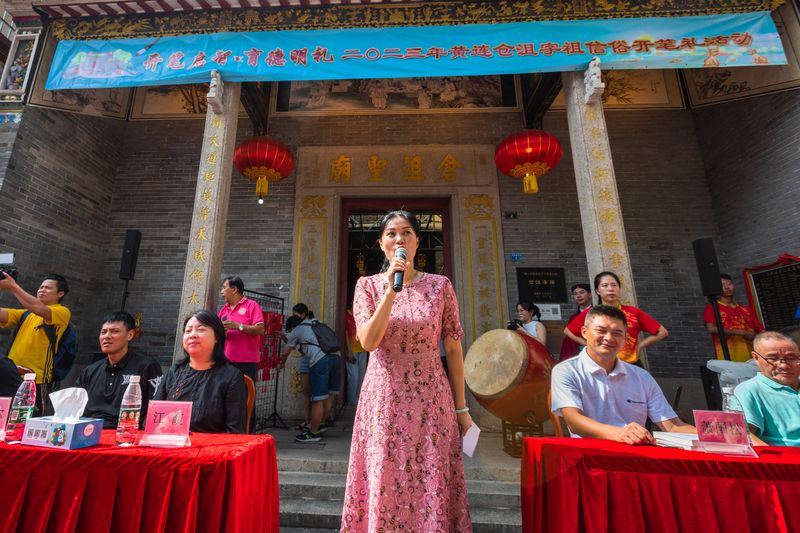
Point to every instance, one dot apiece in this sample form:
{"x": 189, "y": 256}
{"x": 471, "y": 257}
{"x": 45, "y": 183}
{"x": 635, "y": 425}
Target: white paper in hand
{"x": 470, "y": 440}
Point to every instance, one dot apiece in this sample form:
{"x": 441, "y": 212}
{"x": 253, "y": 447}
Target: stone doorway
{"x": 360, "y": 255}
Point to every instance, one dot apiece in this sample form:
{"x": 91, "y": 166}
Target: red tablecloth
{"x": 600, "y": 486}
{"x": 221, "y": 483}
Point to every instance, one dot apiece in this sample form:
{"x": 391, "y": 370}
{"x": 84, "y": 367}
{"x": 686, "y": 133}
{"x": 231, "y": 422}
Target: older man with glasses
{"x": 771, "y": 400}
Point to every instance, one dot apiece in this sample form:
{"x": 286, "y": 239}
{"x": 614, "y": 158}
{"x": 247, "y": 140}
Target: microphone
{"x": 397, "y": 283}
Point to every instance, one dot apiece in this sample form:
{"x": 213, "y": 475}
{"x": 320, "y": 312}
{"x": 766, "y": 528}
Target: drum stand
{"x": 514, "y": 433}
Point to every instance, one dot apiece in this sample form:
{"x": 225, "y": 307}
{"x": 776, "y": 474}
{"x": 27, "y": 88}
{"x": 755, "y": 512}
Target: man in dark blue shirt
{"x": 105, "y": 381}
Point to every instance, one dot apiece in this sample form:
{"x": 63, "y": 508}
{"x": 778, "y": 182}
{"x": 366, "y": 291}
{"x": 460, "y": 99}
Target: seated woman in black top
{"x": 206, "y": 378}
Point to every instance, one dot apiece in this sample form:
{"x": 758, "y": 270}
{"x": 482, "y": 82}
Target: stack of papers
{"x": 675, "y": 440}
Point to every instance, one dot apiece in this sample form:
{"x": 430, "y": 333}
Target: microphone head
{"x": 402, "y": 253}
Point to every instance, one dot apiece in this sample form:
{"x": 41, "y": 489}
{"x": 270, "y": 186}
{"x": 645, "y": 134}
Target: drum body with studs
{"x": 509, "y": 374}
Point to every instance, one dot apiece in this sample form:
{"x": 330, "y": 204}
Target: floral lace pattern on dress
{"x": 406, "y": 471}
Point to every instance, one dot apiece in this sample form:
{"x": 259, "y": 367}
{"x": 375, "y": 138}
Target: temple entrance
{"x": 361, "y": 219}
{"x": 362, "y": 256}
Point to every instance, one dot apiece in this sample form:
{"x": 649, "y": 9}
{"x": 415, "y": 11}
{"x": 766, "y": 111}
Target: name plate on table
{"x": 722, "y": 432}
{"x": 5, "y": 405}
{"x": 167, "y": 424}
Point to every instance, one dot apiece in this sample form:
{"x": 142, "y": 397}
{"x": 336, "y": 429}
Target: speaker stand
{"x": 125, "y": 295}
{"x": 712, "y": 299}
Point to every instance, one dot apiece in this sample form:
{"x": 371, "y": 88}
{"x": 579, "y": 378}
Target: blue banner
{"x": 404, "y": 52}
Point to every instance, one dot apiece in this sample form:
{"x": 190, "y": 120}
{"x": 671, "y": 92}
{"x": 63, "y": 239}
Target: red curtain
{"x": 221, "y": 483}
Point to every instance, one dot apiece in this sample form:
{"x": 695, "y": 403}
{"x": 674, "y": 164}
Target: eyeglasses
{"x": 790, "y": 359}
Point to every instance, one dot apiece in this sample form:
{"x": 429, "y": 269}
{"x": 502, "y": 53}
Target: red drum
{"x": 509, "y": 374}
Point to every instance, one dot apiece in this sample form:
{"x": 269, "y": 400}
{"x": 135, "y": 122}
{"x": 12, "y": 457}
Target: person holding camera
{"x": 31, "y": 350}
{"x": 528, "y": 322}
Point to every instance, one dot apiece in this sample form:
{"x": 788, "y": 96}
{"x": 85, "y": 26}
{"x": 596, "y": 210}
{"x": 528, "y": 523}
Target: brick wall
{"x": 258, "y": 238}
{"x": 155, "y": 190}
{"x": 665, "y": 205}
{"x": 54, "y": 204}
{"x": 8, "y": 135}
{"x": 160, "y": 160}
{"x": 752, "y": 161}
{"x": 142, "y": 175}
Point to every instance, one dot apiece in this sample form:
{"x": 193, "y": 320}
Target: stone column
{"x": 601, "y": 215}
{"x": 201, "y": 281}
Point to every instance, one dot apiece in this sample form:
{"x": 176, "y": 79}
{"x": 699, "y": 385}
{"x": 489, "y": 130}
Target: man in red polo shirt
{"x": 244, "y": 328}
{"x": 739, "y": 323}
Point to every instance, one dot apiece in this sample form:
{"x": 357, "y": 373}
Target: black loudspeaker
{"x": 707, "y": 267}
{"x": 130, "y": 252}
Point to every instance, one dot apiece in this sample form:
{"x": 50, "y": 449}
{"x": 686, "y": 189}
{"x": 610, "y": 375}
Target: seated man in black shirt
{"x": 105, "y": 381}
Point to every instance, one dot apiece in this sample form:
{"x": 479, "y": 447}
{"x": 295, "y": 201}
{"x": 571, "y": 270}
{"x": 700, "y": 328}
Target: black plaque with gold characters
{"x": 542, "y": 285}
{"x": 774, "y": 292}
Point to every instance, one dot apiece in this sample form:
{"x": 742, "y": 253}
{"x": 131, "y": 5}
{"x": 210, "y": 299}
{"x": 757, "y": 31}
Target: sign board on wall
{"x": 550, "y": 311}
{"x": 774, "y": 291}
{"x": 542, "y": 285}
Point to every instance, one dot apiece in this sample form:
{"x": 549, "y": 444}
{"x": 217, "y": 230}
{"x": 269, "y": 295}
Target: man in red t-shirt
{"x": 738, "y": 322}
{"x": 582, "y": 296}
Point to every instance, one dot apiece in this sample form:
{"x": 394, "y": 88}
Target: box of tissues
{"x": 66, "y": 429}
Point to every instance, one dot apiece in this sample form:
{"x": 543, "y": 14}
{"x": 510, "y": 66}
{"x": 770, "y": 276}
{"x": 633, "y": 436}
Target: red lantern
{"x": 528, "y": 154}
{"x": 262, "y": 160}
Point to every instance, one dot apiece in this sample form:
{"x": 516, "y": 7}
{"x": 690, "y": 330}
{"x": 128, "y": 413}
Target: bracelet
{"x": 462, "y": 410}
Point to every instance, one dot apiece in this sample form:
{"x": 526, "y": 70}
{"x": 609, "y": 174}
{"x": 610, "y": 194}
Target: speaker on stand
{"x": 708, "y": 268}
{"x": 130, "y": 253}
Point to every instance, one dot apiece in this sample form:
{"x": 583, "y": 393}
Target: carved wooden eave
{"x": 388, "y": 15}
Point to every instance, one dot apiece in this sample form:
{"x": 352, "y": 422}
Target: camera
{"x": 7, "y": 265}
{"x": 514, "y": 324}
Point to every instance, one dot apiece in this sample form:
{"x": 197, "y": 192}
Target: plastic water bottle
{"x": 727, "y": 394}
{"x": 131, "y": 408}
{"x": 21, "y": 408}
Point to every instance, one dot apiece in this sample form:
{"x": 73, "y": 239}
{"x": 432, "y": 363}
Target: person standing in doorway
{"x": 607, "y": 286}
{"x": 405, "y": 471}
{"x": 356, "y": 360}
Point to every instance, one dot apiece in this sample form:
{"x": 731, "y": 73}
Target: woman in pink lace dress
{"x": 406, "y": 471}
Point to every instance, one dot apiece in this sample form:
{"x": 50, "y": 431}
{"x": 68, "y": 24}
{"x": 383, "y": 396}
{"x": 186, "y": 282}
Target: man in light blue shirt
{"x": 771, "y": 400}
{"x": 603, "y": 397}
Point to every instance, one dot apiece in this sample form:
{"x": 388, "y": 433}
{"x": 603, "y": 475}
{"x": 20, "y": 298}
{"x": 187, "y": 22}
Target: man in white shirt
{"x": 603, "y": 397}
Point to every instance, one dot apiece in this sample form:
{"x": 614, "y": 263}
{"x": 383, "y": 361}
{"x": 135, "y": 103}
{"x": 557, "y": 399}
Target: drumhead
{"x": 495, "y": 362}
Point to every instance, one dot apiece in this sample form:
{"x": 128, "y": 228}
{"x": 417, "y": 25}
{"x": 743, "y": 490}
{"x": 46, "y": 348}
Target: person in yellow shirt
{"x": 31, "y": 350}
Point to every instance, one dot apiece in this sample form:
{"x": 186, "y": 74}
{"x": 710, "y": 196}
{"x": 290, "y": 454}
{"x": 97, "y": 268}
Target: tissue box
{"x": 50, "y": 432}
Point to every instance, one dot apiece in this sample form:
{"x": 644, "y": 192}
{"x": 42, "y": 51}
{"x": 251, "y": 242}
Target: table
{"x": 221, "y": 483}
{"x": 601, "y": 486}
